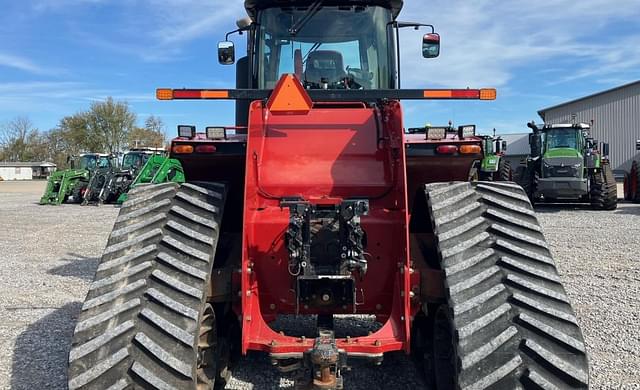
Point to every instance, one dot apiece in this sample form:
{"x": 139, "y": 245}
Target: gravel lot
{"x": 49, "y": 254}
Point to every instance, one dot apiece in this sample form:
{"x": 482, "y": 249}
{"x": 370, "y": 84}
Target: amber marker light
{"x": 164, "y": 94}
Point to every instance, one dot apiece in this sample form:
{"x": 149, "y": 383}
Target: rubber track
{"x": 139, "y": 324}
{"x": 513, "y": 323}
{"x": 604, "y": 190}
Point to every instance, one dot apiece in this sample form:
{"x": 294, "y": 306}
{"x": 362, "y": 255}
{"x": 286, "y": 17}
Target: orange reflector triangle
{"x": 289, "y": 97}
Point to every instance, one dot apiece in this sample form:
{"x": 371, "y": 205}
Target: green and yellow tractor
{"x": 108, "y": 184}
{"x": 74, "y": 181}
{"x": 494, "y": 167}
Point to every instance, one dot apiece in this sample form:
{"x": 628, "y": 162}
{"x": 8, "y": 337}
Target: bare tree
{"x": 14, "y": 139}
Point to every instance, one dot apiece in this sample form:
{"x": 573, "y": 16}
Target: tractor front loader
{"x": 567, "y": 165}
{"x": 318, "y": 205}
{"x": 111, "y": 183}
{"x": 157, "y": 169}
{"x": 632, "y": 180}
{"x": 73, "y": 182}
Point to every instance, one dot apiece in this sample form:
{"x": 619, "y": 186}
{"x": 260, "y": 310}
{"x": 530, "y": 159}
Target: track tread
{"x": 604, "y": 189}
{"x": 512, "y": 319}
{"x": 138, "y": 327}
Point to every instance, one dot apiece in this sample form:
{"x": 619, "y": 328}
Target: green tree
{"x": 110, "y": 122}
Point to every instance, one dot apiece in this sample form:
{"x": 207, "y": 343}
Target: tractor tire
{"x": 504, "y": 171}
{"x": 507, "y": 321}
{"x": 78, "y": 193}
{"x": 145, "y": 322}
{"x": 604, "y": 189}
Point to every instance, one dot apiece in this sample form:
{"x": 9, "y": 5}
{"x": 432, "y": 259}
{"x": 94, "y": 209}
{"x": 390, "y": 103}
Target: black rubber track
{"x": 139, "y": 323}
{"x": 514, "y": 327}
{"x": 604, "y": 189}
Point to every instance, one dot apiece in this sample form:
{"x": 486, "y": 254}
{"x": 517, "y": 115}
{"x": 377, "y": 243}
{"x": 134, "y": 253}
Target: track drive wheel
{"x": 146, "y": 322}
{"x": 507, "y": 322}
{"x": 604, "y": 189}
{"x": 504, "y": 171}
{"x": 627, "y": 187}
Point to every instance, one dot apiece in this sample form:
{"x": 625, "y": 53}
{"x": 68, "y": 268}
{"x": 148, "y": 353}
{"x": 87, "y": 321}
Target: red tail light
{"x": 205, "y": 149}
{"x": 447, "y": 149}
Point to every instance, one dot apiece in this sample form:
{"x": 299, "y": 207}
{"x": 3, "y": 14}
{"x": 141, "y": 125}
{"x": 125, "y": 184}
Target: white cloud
{"x": 20, "y": 63}
{"x": 484, "y": 42}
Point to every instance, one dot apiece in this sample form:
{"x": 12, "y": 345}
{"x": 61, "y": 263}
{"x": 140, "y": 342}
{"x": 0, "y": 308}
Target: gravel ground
{"x": 49, "y": 254}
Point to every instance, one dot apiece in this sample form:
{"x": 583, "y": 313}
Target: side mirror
{"x": 226, "y": 53}
{"x": 504, "y": 146}
{"x": 431, "y": 45}
{"x": 638, "y": 144}
{"x": 605, "y": 149}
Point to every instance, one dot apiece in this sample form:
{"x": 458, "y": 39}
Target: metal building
{"x": 25, "y": 170}
{"x": 616, "y": 119}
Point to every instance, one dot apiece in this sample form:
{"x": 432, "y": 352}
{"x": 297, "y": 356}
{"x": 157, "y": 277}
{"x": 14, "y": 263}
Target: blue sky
{"x": 58, "y": 56}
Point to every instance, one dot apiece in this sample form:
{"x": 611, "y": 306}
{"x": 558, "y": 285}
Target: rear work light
{"x": 447, "y": 149}
{"x": 436, "y": 133}
{"x": 466, "y": 131}
{"x": 470, "y": 149}
{"x": 186, "y": 131}
{"x": 216, "y": 133}
{"x": 182, "y": 149}
{"x": 206, "y": 149}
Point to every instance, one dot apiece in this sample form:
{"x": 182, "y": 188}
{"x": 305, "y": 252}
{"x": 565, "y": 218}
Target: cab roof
{"x": 584, "y": 126}
{"x": 253, "y": 6}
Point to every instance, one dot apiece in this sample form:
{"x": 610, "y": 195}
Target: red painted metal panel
{"x": 324, "y": 156}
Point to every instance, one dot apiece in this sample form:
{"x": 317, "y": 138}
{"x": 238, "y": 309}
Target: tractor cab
{"x": 565, "y": 148}
{"x": 136, "y": 158}
{"x": 92, "y": 161}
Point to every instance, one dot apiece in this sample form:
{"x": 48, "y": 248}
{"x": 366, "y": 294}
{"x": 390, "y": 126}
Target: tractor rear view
{"x": 317, "y": 204}
{"x": 567, "y": 165}
{"x": 632, "y": 180}
{"x": 494, "y": 166}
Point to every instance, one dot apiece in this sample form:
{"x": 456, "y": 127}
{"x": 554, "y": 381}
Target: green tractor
{"x": 108, "y": 184}
{"x": 157, "y": 169}
{"x": 73, "y": 182}
{"x": 494, "y": 167}
{"x": 567, "y": 165}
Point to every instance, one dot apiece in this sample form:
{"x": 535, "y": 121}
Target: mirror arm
{"x": 416, "y": 26}
{"x": 239, "y": 31}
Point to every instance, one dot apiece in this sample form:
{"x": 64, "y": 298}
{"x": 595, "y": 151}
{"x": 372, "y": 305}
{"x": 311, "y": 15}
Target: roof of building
{"x": 517, "y": 144}
{"x": 541, "y": 112}
{"x": 20, "y": 164}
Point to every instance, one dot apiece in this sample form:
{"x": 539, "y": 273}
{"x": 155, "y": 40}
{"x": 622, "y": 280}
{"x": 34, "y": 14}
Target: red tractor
{"x": 318, "y": 204}
{"x": 632, "y": 180}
